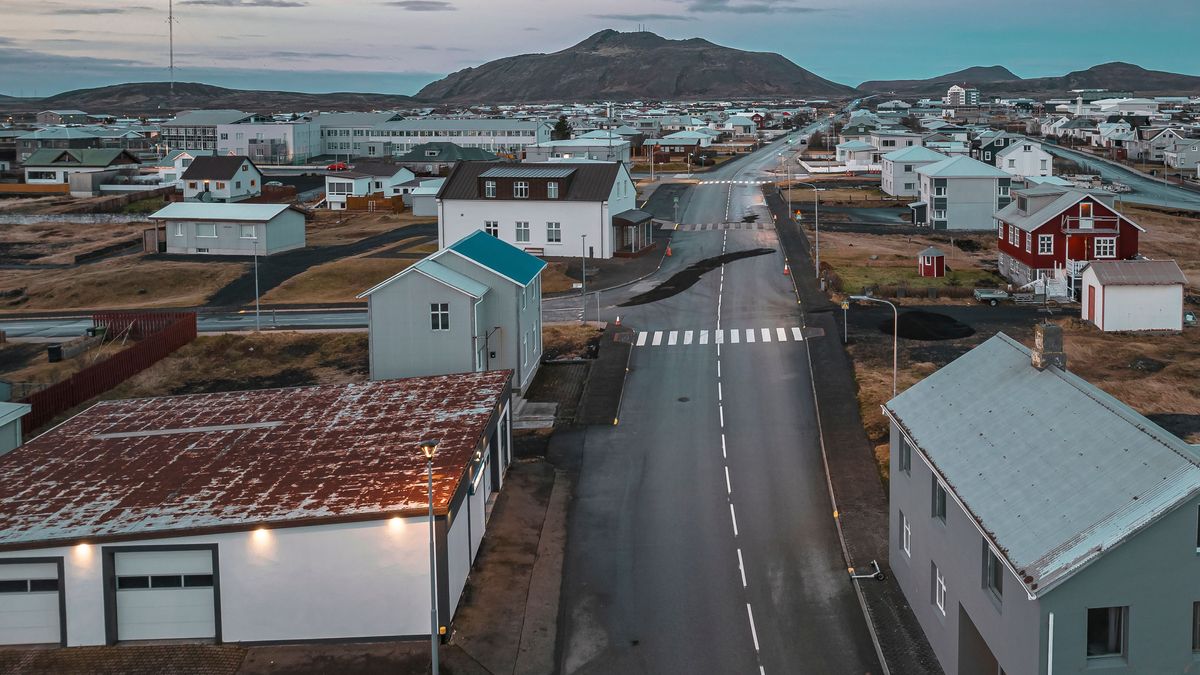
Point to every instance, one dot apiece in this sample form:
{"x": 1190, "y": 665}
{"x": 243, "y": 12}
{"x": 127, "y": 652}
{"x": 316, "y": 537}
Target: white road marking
{"x": 749, "y": 335}
{"x": 721, "y": 412}
{"x": 733, "y": 517}
{"x": 728, "y": 485}
{"x": 766, "y": 335}
{"x": 742, "y": 567}
{"x": 753, "y": 632}
{"x": 703, "y": 339}
{"x": 720, "y": 338}
{"x": 672, "y": 338}
{"x": 797, "y": 334}
{"x": 641, "y": 341}
{"x": 687, "y": 336}
{"x": 657, "y": 338}
{"x": 735, "y": 336}
{"x": 719, "y": 391}
{"x": 718, "y": 369}
{"x": 722, "y": 447}
{"x": 781, "y": 334}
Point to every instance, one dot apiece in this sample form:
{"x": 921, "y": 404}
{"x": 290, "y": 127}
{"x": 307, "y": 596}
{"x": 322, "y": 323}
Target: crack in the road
{"x": 685, "y": 279}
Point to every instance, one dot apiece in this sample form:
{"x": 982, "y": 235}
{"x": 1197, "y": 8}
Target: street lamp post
{"x": 816, "y": 227}
{"x": 429, "y": 448}
{"x": 895, "y": 332}
{"x": 583, "y": 273}
{"x": 257, "y": 323}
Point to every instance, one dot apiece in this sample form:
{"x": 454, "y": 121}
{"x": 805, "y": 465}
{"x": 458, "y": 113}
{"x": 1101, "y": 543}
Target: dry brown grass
{"x": 61, "y": 242}
{"x": 555, "y": 279}
{"x": 253, "y": 361}
{"x": 895, "y": 260}
{"x": 118, "y": 283}
{"x": 568, "y": 340}
{"x": 38, "y": 370}
{"x": 1169, "y": 236}
{"x": 842, "y": 196}
{"x": 332, "y": 228}
{"x": 337, "y": 281}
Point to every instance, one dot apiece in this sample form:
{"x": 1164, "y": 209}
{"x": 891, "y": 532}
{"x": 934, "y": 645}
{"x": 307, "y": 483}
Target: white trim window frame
{"x": 439, "y": 316}
{"x": 1045, "y": 244}
{"x": 208, "y": 227}
{"x": 492, "y": 227}
{"x": 553, "y": 232}
{"x": 905, "y": 535}
{"x": 1105, "y": 247}
{"x": 522, "y": 235}
{"x": 489, "y": 189}
{"x": 939, "y": 590}
{"x": 552, "y": 190}
{"x": 521, "y": 189}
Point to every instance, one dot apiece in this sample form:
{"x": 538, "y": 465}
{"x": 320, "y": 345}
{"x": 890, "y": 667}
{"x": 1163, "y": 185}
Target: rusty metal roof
{"x": 165, "y": 466}
{"x": 1138, "y": 272}
{"x": 1055, "y": 471}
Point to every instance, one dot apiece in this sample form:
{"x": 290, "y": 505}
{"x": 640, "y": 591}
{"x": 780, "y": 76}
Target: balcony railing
{"x": 1097, "y": 224}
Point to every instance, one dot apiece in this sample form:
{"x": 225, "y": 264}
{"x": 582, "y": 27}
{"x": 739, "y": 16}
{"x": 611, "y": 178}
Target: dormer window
{"x": 431, "y": 153}
{"x": 521, "y": 190}
{"x": 1022, "y": 204}
{"x": 552, "y": 190}
{"x": 489, "y": 189}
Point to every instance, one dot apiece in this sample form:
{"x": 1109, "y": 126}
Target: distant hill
{"x": 997, "y": 80}
{"x": 625, "y": 66}
{"x": 156, "y": 97}
{"x": 974, "y": 75}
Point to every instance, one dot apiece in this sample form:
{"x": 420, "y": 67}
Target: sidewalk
{"x": 861, "y": 501}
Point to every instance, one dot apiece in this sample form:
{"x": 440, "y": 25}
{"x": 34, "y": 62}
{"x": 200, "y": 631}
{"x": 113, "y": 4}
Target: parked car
{"x": 992, "y": 296}
{"x": 338, "y": 166}
{"x": 1189, "y": 318}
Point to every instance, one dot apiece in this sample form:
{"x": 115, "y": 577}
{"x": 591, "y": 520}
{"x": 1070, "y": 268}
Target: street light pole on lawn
{"x": 583, "y": 273}
{"x": 257, "y": 323}
{"x": 895, "y": 332}
{"x": 429, "y": 448}
{"x": 816, "y": 227}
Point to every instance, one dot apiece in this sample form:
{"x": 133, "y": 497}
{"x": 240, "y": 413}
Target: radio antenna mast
{"x": 171, "y": 39}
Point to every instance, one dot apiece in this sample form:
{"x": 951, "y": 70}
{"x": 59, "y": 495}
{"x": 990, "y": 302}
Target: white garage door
{"x": 164, "y": 595}
{"x": 29, "y": 604}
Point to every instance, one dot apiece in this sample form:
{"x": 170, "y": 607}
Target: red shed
{"x": 931, "y": 262}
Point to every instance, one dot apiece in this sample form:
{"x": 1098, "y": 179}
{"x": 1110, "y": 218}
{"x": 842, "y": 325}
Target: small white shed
{"x": 1133, "y": 295}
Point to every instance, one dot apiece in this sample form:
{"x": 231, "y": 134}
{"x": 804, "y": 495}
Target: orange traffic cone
{"x": 668, "y": 250}
{"x": 786, "y": 270}
{"x": 618, "y": 321}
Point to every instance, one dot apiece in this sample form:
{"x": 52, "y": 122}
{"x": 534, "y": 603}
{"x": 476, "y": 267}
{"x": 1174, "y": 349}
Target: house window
{"x": 993, "y": 571}
{"x": 905, "y": 535}
{"x": 238, "y": 185}
{"x": 1045, "y": 244}
{"x": 1106, "y": 247}
{"x": 554, "y": 233}
{"x": 1106, "y": 629}
{"x": 521, "y": 190}
{"x": 207, "y": 230}
{"x": 906, "y": 459}
{"x": 489, "y": 189}
{"x": 939, "y": 214}
{"x": 249, "y": 232}
{"x": 220, "y": 185}
{"x": 909, "y": 186}
{"x": 1012, "y": 163}
{"x": 939, "y": 588}
{"x": 178, "y": 229}
{"x": 987, "y": 156}
{"x": 439, "y": 315}
{"x": 1003, "y": 190}
{"x": 908, "y": 168}
{"x": 1029, "y": 243}
{"x": 939, "y": 500}
{"x": 492, "y": 227}
{"x": 1001, "y": 229}
{"x": 552, "y": 190}
{"x": 1043, "y": 165}
{"x": 939, "y": 191}
{"x": 1022, "y": 204}
{"x": 192, "y": 185}
{"x": 522, "y": 231}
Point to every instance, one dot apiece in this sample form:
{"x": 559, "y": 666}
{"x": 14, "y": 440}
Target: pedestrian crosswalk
{"x": 721, "y": 336}
{"x": 701, "y": 227}
{"x": 734, "y": 182}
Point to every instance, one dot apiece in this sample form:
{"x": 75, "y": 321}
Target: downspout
{"x": 1050, "y": 647}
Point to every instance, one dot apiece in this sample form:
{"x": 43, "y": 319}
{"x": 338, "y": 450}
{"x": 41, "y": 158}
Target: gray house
{"x": 1040, "y": 526}
{"x": 473, "y": 306}
{"x": 218, "y": 228}
{"x": 960, "y": 193}
{"x": 10, "y": 424}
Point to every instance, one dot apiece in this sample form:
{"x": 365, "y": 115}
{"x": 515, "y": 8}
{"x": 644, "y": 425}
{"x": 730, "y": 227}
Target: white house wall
{"x": 459, "y": 218}
{"x": 402, "y": 341}
{"x": 1132, "y": 308}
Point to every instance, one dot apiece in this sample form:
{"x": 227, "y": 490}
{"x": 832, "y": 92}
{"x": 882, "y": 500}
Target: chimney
{"x": 1048, "y": 347}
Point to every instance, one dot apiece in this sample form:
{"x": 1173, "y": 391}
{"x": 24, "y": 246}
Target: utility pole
{"x": 171, "y": 38}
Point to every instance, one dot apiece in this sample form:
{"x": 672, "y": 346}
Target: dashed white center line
{"x": 753, "y": 631}
{"x": 742, "y": 567}
{"x": 723, "y": 454}
{"x": 728, "y": 485}
{"x": 733, "y": 517}
{"x": 721, "y": 414}
{"x": 719, "y": 397}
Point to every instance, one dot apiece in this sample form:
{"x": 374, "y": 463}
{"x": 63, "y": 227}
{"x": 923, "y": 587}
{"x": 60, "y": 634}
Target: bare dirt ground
{"x": 337, "y": 281}
{"x": 59, "y": 243}
{"x": 130, "y": 281}
{"x": 866, "y": 260}
{"x": 332, "y": 228}
{"x": 26, "y": 363}
{"x": 570, "y": 340}
{"x": 1170, "y": 235}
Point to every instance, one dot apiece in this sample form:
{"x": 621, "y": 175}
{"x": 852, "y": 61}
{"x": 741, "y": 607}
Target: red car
{"x": 337, "y": 166}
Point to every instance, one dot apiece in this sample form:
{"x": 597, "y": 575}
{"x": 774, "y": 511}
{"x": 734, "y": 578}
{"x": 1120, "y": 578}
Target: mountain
{"x": 975, "y": 75}
{"x": 624, "y": 66}
{"x": 156, "y": 97}
{"x": 999, "y": 81}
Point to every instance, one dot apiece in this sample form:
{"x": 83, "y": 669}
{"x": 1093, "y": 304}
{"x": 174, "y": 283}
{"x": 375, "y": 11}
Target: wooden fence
{"x": 157, "y": 334}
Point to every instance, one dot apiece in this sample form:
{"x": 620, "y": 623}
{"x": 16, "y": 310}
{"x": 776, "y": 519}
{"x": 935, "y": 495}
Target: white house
{"x": 272, "y": 515}
{"x": 221, "y": 179}
{"x": 899, "y": 169}
{"x": 231, "y": 229}
{"x": 1184, "y": 156}
{"x": 475, "y": 305}
{"x": 172, "y": 165}
{"x": 546, "y": 209}
{"x": 1133, "y": 295}
{"x": 605, "y": 150}
{"x": 363, "y": 179}
{"x": 48, "y": 166}
{"x": 960, "y": 193}
{"x": 10, "y": 424}
{"x": 1023, "y": 158}
{"x": 271, "y": 142}
{"x": 858, "y": 155}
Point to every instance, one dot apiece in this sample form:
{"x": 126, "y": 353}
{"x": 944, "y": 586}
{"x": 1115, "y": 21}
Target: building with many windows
{"x": 197, "y": 129}
{"x": 499, "y": 135}
{"x": 1040, "y": 525}
{"x": 959, "y": 193}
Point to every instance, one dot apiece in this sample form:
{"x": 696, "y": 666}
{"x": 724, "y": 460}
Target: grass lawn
{"x": 27, "y": 363}
{"x": 331, "y": 228}
{"x": 337, "y": 281}
{"x": 54, "y": 242}
{"x": 130, "y": 281}
{"x": 864, "y": 260}
{"x": 144, "y": 206}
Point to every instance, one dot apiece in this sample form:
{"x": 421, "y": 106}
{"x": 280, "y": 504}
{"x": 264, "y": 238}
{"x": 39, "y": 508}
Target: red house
{"x": 759, "y": 120}
{"x": 931, "y": 262}
{"x": 1054, "y": 232}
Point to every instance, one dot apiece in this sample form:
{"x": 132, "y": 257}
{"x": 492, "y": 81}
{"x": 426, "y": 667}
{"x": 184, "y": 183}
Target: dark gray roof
{"x": 633, "y": 216}
{"x": 446, "y": 152}
{"x": 1138, "y": 272}
{"x": 528, "y": 171}
{"x": 590, "y": 182}
{"x": 932, "y": 251}
{"x": 1054, "y": 470}
{"x": 214, "y": 167}
{"x": 373, "y": 169}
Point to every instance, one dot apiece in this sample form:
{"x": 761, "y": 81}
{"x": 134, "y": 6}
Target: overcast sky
{"x": 396, "y": 46}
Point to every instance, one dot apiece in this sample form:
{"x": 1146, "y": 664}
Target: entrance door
{"x": 1091, "y": 313}
{"x": 163, "y": 595}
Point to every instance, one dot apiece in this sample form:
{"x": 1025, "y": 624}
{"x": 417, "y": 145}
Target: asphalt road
{"x": 701, "y": 536}
{"x": 1145, "y": 190}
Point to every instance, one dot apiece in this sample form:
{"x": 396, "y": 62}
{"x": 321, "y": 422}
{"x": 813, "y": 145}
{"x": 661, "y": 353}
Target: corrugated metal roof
{"x": 10, "y": 412}
{"x": 451, "y": 278}
{"x": 916, "y": 153}
{"x": 219, "y": 211}
{"x": 194, "y": 118}
{"x": 173, "y": 465}
{"x": 1054, "y": 470}
{"x": 527, "y": 172}
{"x": 91, "y": 157}
{"x": 932, "y": 251}
{"x": 1138, "y": 272}
{"x": 962, "y": 166}
{"x": 499, "y": 256}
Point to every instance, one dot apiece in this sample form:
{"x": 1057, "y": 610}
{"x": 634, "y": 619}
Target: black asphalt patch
{"x": 681, "y": 281}
{"x": 921, "y": 325}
